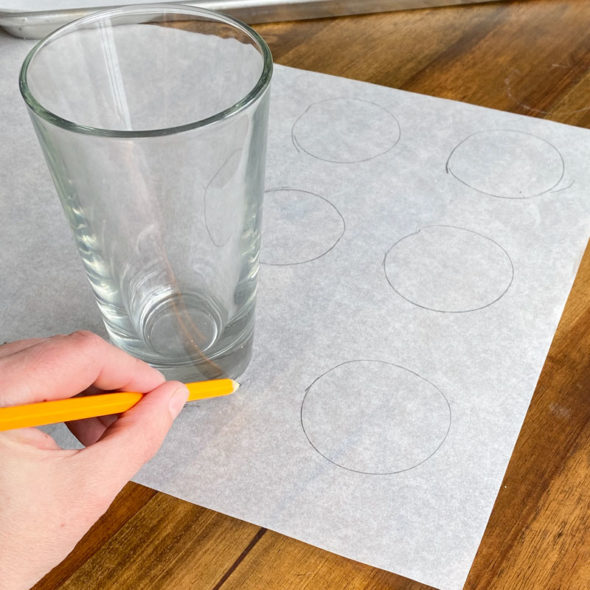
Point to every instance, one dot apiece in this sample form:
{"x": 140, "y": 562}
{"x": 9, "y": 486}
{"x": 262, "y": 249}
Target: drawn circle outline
{"x": 341, "y": 217}
{"x": 299, "y": 147}
{"x": 206, "y": 197}
{"x": 450, "y": 310}
{"x": 422, "y": 379}
{"x": 450, "y": 171}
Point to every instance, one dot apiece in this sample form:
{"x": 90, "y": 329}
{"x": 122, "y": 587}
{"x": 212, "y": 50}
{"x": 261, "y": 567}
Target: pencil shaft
{"x": 77, "y": 408}
{"x": 212, "y": 388}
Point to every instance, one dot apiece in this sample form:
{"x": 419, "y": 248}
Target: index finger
{"x": 63, "y": 366}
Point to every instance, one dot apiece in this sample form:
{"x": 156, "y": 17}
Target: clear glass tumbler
{"x": 153, "y": 122}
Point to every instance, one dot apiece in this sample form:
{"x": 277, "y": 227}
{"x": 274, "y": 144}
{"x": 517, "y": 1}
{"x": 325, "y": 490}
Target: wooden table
{"x": 529, "y": 57}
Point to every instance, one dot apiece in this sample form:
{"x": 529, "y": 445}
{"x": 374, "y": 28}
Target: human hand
{"x": 50, "y": 497}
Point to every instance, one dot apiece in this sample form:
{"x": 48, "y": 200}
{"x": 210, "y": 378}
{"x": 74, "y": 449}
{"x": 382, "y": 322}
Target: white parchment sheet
{"x": 417, "y": 256}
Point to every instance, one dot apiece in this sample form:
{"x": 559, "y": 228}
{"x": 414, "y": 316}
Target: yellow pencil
{"x": 104, "y": 404}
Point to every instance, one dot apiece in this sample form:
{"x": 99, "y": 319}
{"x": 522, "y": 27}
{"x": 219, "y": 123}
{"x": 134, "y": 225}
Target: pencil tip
{"x": 236, "y": 385}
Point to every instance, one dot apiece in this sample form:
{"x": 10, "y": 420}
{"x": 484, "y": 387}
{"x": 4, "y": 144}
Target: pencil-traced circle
{"x": 299, "y": 226}
{"x": 448, "y": 269}
{"x": 507, "y": 164}
{"x": 223, "y": 211}
{"x": 345, "y": 130}
{"x": 375, "y": 417}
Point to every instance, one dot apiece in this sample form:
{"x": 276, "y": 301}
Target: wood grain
{"x": 528, "y": 57}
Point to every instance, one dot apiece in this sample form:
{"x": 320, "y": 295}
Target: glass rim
{"x": 146, "y": 9}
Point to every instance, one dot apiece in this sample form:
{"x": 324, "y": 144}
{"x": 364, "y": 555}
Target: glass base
{"x": 230, "y": 364}
{"x": 184, "y": 336}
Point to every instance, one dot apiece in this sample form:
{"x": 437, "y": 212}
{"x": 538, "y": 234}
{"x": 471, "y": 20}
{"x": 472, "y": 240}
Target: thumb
{"x": 135, "y": 437}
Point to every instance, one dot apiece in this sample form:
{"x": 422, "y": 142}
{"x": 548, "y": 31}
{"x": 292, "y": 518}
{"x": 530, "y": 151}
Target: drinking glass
{"x": 153, "y": 122}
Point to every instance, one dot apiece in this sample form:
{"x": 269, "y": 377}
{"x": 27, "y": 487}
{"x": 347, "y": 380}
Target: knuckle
{"x": 86, "y": 338}
{"x": 87, "y": 344}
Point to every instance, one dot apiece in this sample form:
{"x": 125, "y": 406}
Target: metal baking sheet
{"x": 34, "y": 19}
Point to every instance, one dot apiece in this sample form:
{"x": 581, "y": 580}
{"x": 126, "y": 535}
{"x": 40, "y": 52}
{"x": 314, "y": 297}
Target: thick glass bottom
{"x": 184, "y": 336}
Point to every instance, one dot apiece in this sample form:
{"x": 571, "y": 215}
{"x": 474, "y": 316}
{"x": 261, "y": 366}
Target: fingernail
{"x": 177, "y": 400}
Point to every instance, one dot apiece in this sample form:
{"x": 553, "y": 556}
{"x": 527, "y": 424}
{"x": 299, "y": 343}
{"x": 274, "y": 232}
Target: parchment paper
{"x": 417, "y": 256}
